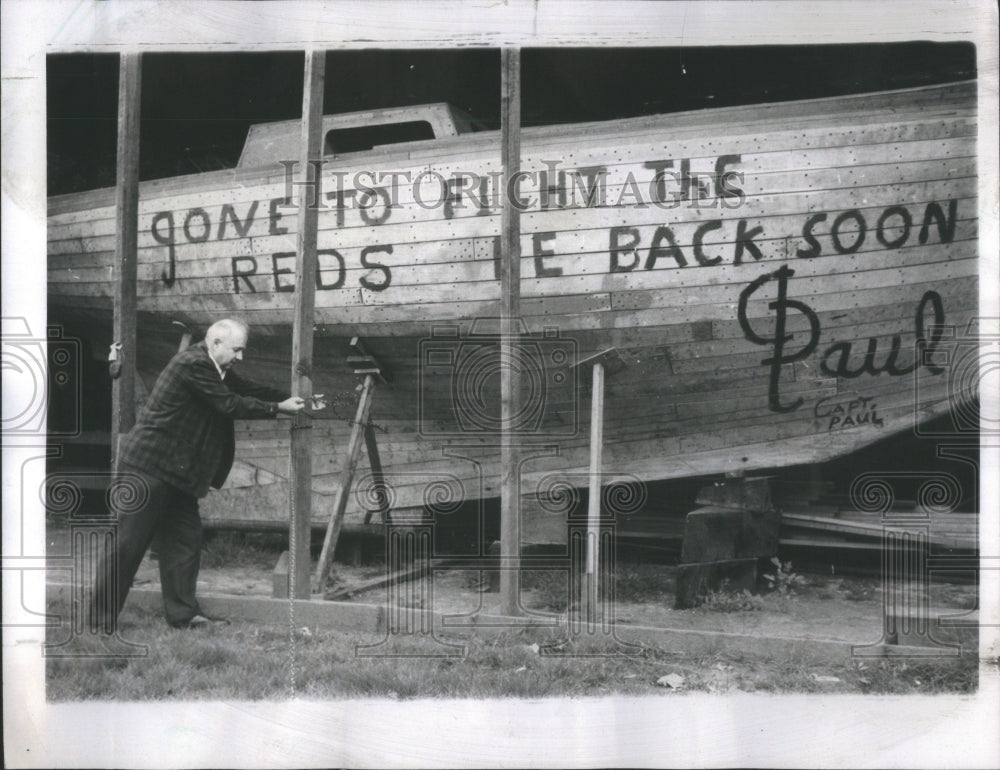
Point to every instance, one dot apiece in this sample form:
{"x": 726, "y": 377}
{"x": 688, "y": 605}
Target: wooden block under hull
{"x": 695, "y": 581}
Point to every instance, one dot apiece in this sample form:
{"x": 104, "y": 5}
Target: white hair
{"x": 225, "y": 329}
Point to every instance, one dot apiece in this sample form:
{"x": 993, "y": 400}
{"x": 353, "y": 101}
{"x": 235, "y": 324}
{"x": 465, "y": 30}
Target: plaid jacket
{"x": 184, "y": 433}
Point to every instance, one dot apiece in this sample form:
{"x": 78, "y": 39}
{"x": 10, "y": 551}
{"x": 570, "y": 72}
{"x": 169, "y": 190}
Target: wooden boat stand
{"x": 363, "y": 364}
{"x": 611, "y": 361}
{"x": 608, "y": 360}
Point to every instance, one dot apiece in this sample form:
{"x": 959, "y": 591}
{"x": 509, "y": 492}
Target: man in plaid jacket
{"x": 182, "y": 444}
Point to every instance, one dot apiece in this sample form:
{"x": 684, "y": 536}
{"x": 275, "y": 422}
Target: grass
{"x": 860, "y": 590}
{"x": 725, "y": 600}
{"x": 253, "y": 662}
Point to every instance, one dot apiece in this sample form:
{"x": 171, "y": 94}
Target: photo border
{"x": 697, "y": 731}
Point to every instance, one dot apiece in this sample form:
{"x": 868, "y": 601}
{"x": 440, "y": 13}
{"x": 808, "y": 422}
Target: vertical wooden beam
{"x": 594, "y": 500}
{"x": 126, "y": 244}
{"x": 300, "y": 474}
{"x": 510, "y": 311}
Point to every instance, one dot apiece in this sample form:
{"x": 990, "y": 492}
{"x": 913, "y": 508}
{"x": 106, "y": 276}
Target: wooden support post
{"x": 126, "y": 245}
{"x": 346, "y": 479}
{"x": 594, "y": 500}
{"x": 510, "y": 311}
{"x": 300, "y": 473}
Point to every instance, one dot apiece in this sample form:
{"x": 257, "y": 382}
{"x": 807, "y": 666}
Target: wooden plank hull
{"x": 771, "y": 277}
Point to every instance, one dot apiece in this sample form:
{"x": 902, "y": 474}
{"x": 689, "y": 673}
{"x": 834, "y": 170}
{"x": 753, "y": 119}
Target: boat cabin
{"x": 269, "y": 143}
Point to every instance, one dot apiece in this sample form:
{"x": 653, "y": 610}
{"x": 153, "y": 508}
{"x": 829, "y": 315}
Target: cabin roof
{"x": 268, "y": 143}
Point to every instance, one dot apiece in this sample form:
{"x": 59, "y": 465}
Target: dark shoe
{"x": 202, "y": 621}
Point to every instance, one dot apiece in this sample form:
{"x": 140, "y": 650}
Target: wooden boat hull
{"x": 781, "y": 284}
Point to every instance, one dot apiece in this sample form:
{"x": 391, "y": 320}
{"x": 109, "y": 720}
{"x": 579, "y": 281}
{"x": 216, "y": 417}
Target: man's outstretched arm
{"x": 238, "y": 398}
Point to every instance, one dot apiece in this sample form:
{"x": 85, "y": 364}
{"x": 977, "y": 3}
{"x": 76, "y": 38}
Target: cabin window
{"x": 341, "y": 140}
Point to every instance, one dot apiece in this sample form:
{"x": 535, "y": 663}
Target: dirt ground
{"x": 846, "y": 609}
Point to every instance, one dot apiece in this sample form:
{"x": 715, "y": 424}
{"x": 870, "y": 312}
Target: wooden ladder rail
{"x": 378, "y": 478}
{"x": 359, "y": 431}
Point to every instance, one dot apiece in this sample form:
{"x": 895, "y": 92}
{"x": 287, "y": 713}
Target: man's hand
{"x": 292, "y": 405}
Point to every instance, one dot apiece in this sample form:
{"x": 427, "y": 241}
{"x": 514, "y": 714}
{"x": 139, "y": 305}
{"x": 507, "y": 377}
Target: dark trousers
{"x": 171, "y": 517}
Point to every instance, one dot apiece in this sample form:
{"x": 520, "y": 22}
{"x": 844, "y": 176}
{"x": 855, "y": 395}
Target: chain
{"x": 292, "y": 547}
